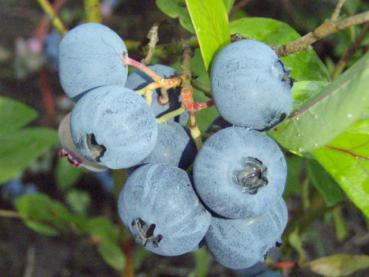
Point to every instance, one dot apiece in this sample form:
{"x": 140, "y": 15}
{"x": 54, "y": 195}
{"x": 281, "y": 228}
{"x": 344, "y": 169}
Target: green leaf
{"x": 305, "y": 65}
{"x": 210, "y": 20}
{"x": 176, "y": 9}
{"x": 206, "y": 116}
{"x": 139, "y": 256}
{"x": 294, "y": 181}
{"x": 78, "y": 201}
{"x": 326, "y": 116}
{"x": 199, "y": 72}
{"x": 14, "y": 115}
{"x": 339, "y": 265}
{"x": 20, "y": 148}
{"x": 112, "y": 255}
{"x": 229, "y": 4}
{"x": 295, "y": 241}
{"x": 66, "y": 175}
{"x": 340, "y": 224}
{"x": 44, "y": 215}
{"x": 107, "y": 235}
{"x": 103, "y": 229}
{"x": 324, "y": 183}
{"x": 41, "y": 228}
{"x": 347, "y": 160}
{"x": 303, "y": 91}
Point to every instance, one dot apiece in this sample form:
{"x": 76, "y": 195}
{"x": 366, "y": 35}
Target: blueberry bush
{"x": 237, "y": 145}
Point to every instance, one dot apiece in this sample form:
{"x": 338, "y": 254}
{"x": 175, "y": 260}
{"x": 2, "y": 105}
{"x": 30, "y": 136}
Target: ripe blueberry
{"x": 238, "y": 172}
{"x": 251, "y": 87}
{"x": 174, "y": 146}
{"x": 241, "y": 243}
{"x": 113, "y": 126}
{"x": 90, "y": 55}
{"x": 161, "y": 210}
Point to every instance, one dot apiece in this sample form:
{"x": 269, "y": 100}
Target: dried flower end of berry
{"x": 146, "y": 233}
{"x": 252, "y": 176}
{"x": 97, "y": 150}
{"x": 70, "y": 150}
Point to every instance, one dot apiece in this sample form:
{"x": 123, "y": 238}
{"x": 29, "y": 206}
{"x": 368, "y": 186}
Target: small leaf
{"x": 305, "y": 65}
{"x": 139, "y": 256}
{"x": 102, "y": 229}
{"x": 41, "y": 228}
{"x": 347, "y": 160}
{"x": 339, "y": 265}
{"x": 19, "y": 149}
{"x": 43, "y": 214}
{"x": 295, "y": 241}
{"x": 112, "y": 255}
{"x": 78, "y": 201}
{"x": 210, "y": 19}
{"x": 326, "y": 116}
{"x": 66, "y": 175}
{"x": 324, "y": 183}
{"x": 14, "y": 115}
{"x": 339, "y": 223}
{"x": 176, "y": 9}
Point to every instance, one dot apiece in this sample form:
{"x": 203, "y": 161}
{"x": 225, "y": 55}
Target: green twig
{"x": 55, "y": 20}
{"x": 168, "y": 116}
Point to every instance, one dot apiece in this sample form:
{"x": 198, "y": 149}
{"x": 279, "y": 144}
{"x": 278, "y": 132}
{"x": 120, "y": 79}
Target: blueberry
{"x": 90, "y": 55}
{"x": 16, "y": 188}
{"x": 113, "y": 126}
{"x": 250, "y": 85}
{"x": 138, "y": 80}
{"x": 51, "y": 48}
{"x": 238, "y": 172}
{"x": 174, "y": 146}
{"x": 241, "y": 243}
{"x": 161, "y": 210}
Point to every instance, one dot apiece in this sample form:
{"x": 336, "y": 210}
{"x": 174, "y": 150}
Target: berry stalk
{"x": 187, "y": 96}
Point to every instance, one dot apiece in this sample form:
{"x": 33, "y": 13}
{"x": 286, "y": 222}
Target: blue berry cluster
{"x": 232, "y": 200}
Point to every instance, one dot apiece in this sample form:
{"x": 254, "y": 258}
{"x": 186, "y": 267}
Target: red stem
{"x": 47, "y": 95}
{"x": 285, "y": 266}
{"x": 128, "y": 252}
{"x": 128, "y": 61}
{"x": 203, "y": 105}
